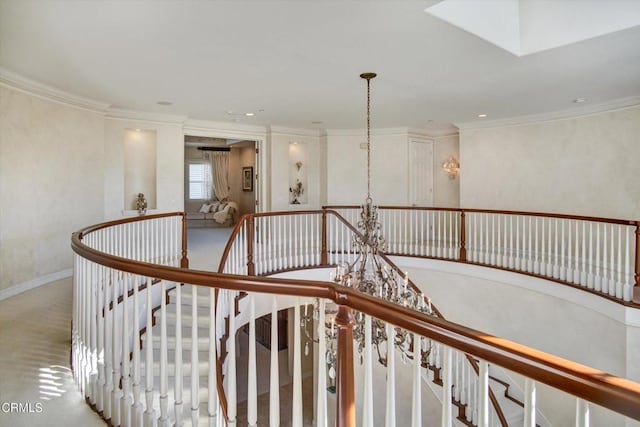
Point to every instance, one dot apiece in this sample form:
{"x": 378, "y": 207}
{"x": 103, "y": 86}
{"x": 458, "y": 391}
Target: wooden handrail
{"x": 615, "y": 393}
{"x": 92, "y": 228}
{"x": 496, "y": 211}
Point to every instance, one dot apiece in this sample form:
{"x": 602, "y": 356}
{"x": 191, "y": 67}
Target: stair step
{"x": 203, "y": 299}
{"x": 203, "y": 342}
{"x": 203, "y": 368}
{"x": 186, "y": 319}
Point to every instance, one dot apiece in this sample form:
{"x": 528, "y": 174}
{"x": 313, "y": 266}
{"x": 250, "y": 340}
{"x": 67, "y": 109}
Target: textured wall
{"x": 586, "y": 165}
{"x": 51, "y": 183}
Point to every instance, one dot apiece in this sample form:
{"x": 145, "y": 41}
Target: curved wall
{"x": 544, "y": 315}
{"x": 51, "y": 183}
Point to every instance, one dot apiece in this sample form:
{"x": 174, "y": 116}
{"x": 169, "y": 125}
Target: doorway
{"x": 204, "y": 159}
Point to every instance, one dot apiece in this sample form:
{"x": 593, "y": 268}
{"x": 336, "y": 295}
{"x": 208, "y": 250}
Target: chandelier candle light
{"x": 369, "y": 273}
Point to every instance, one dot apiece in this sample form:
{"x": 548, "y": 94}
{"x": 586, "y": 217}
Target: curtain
{"x": 220, "y": 172}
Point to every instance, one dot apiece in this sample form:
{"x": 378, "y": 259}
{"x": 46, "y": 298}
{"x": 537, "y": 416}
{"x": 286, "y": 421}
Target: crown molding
{"x": 31, "y": 87}
{"x": 585, "y": 111}
{"x": 363, "y": 132}
{"x": 197, "y": 127}
{"x": 144, "y": 116}
{"x": 282, "y": 130}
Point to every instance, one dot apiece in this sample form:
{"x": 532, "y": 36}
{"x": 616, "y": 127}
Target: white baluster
{"x": 530, "y": 257}
{"x": 457, "y": 368}
{"x": 619, "y": 282}
{"x": 447, "y": 410}
{"x": 563, "y": 264}
{"x": 212, "y": 404}
{"x": 367, "y": 405}
{"x": 627, "y": 282}
{"x": 583, "y": 273}
{"x": 529, "y": 403}
{"x": 556, "y": 255}
{"x": 590, "y": 271}
{"x": 505, "y": 243}
{"x": 551, "y": 259}
{"x": 163, "y": 421}
{"x": 483, "y": 392}
{"x": 195, "y": 358}
{"x": 481, "y": 241}
{"x": 274, "y": 384}
{"x": 511, "y": 255}
{"x": 416, "y": 403}
{"x": 115, "y": 366}
{"x": 231, "y": 364}
{"x": 612, "y": 281}
{"x": 598, "y": 274}
{"x": 405, "y": 237}
{"x": 101, "y": 313}
{"x": 136, "y": 407}
{"x": 252, "y": 375}
{"x": 576, "y": 271}
{"x": 518, "y": 257}
{"x": 604, "y": 280}
{"x": 493, "y": 238}
{"x": 422, "y": 248}
{"x": 569, "y": 262}
{"x": 390, "y": 413}
{"x": 149, "y": 415}
{"x": 296, "y": 416}
{"x": 536, "y": 264}
{"x": 125, "y": 400}
{"x": 476, "y": 252}
{"x": 582, "y": 413}
{"x": 321, "y": 393}
{"x": 178, "y": 376}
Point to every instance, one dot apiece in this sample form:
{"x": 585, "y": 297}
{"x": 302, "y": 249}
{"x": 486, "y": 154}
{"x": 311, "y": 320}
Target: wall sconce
{"x": 451, "y": 167}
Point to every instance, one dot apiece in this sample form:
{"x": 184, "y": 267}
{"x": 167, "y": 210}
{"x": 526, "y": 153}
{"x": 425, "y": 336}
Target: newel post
{"x": 463, "y": 238}
{"x": 184, "y": 261}
{"x": 345, "y": 393}
{"x": 323, "y": 249}
{"x": 251, "y": 270}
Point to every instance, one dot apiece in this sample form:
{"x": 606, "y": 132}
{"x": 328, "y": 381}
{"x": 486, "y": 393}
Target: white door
{"x": 421, "y": 172}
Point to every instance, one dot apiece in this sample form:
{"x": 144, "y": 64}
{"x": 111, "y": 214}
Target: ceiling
{"x": 293, "y": 63}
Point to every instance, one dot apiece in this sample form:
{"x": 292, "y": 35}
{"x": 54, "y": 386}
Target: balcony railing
{"x": 128, "y": 324}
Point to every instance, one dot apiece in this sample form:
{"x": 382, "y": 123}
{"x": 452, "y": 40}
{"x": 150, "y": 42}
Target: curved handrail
{"x": 495, "y": 211}
{"x": 615, "y": 393}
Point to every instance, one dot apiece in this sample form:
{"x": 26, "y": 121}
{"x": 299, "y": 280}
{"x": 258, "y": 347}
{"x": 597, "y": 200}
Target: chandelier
{"x": 369, "y": 273}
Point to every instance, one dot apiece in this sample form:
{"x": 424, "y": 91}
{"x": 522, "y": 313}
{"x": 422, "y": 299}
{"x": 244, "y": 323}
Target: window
{"x": 199, "y": 181}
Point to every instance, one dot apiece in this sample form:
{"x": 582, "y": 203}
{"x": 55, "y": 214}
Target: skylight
{"x": 523, "y": 27}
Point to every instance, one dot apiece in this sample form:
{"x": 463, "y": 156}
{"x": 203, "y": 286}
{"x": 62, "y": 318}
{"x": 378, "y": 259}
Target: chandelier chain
{"x": 368, "y": 139}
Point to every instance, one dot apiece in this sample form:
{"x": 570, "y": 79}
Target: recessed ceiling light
{"x": 482, "y": 116}
{"x": 165, "y": 103}
{"x": 579, "y": 100}
{"x": 137, "y": 130}
{"x": 249, "y": 114}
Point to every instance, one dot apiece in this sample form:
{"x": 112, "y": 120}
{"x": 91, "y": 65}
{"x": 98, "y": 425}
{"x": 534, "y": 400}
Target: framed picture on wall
{"x": 247, "y": 178}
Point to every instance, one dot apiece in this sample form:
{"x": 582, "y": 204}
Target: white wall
{"x": 585, "y": 165}
{"x": 169, "y": 165}
{"x": 51, "y": 183}
{"x": 347, "y": 169}
{"x": 346, "y": 174}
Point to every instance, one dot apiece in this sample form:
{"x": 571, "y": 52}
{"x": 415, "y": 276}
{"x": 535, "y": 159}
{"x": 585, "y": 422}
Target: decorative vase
{"x": 141, "y": 204}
